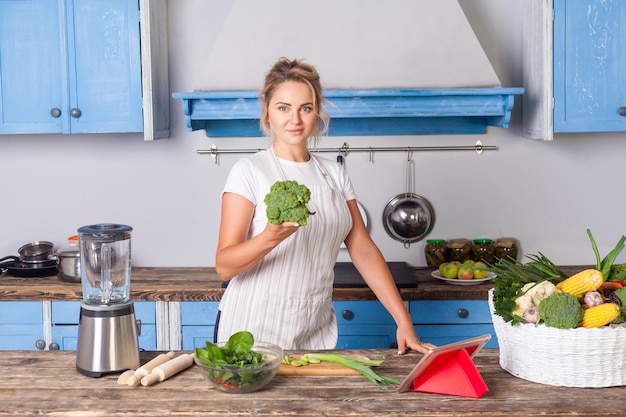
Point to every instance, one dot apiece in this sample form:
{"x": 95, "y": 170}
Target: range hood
{"x": 393, "y": 67}
{"x": 362, "y": 112}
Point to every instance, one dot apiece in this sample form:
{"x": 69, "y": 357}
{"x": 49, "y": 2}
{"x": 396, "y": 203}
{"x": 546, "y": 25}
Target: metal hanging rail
{"x": 345, "y": 149}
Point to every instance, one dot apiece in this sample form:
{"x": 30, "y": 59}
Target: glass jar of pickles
{"x": 506, "y": 247}
{"x": 483, "y": 250}
{"x": 436, "y": 252}
{"x": 459, "y": 249}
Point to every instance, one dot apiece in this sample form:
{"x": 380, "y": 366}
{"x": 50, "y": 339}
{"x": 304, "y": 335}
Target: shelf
{"x": 362, "y": 112}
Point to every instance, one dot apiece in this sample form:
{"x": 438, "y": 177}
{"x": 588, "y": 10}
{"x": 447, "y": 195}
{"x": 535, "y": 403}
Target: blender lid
{"x": 104, "y": 230}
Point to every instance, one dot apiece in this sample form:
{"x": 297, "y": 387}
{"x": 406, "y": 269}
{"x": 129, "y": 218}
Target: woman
{"x": 281, "y": 276}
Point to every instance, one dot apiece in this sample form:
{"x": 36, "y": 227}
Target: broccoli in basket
{"x": 286, "y": 202}
{"x": 561, "y": 310}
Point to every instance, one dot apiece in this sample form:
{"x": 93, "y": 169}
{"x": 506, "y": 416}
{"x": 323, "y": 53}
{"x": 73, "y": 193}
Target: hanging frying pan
{"x": 408, "y": 217}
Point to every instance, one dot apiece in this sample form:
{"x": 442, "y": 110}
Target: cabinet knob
{"x": 75, "y": 113}
{"x": 40, "y": 344}
{"x": 54, "y": 346}
{"x": 55, "y": 112}
{"x": 622, "y": 111}
{"x": 347, "y": 314}
{"x": 462, "y": 313}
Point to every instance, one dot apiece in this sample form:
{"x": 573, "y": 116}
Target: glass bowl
{"x": 236, "y": 379}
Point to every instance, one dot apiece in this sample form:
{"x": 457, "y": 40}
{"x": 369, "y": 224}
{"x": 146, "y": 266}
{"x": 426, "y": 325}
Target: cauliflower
{"x": 561, "y": 310}
{"x": 286, "y": 202}
{"x": 533, "y": 293}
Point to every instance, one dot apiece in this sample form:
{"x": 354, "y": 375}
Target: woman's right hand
{"x": 280, "y": 232}
{"x": 236, "y": 253}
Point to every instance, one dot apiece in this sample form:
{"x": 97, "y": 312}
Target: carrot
{"x": 611, "y": 285}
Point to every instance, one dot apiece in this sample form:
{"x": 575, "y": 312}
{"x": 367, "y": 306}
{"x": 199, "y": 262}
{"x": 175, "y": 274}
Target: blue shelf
{"x": 362, "y": 112}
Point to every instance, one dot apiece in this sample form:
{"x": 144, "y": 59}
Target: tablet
{"x": 441, "y": 354}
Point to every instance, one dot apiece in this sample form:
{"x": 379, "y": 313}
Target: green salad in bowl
{"x": 240, "y": 365}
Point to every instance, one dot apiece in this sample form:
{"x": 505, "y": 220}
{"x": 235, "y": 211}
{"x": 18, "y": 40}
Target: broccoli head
{"x": 286, "y": 202}
{"x": 561, "y": 310}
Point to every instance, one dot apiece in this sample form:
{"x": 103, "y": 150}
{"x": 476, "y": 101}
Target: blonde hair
{"x": 299, "y": 71}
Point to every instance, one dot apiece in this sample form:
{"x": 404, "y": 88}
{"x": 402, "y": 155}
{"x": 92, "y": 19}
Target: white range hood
{"x": 393, "y": 67}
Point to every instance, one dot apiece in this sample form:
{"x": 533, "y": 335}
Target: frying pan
{"x": 14, "y": 267}
{"x": 408, "y": 217}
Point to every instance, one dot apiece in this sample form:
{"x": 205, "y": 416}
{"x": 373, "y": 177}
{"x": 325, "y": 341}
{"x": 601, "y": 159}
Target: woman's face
{"x": 291, "y": 113}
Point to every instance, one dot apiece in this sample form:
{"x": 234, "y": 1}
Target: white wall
{"x": 544, "y": 193}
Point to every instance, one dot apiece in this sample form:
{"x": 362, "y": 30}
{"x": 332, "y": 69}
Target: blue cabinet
{"x": 65, "y": 315}
{"x": 589, "y": 66}
{"x": 364, "y": 325}
{"x": 573, "y": 67}
{"x": 443, "y": 322}
{"x": 70, "y": 66}
{"x": 21, "y": 325}
{"x": 197, "y": 319}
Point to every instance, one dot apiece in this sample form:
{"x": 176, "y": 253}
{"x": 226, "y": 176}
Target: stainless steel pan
{"x": 408, "y": 217}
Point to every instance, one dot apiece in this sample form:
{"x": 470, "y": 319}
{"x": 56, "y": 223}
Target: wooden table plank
{"x": 46, "y": 383}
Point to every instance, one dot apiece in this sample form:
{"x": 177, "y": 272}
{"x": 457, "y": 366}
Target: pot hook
{"x": 409, "y": 175}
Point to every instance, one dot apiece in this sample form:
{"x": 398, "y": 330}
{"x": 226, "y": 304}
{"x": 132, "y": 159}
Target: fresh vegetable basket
{"x": 560, "y": 329}
{"x": 579, "y": 357}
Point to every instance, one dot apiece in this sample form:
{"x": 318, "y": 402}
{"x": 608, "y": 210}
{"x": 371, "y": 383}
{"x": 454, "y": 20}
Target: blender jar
{"x": 105, "y": 263}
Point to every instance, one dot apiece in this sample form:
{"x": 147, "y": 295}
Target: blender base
{"x": 107, "y": 339}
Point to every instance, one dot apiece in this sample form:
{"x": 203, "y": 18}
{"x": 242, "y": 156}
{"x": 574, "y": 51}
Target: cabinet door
{"x": 105, "y": 66}
{"x": 21, "y": 325}
{"x": 32, "y": 83}
{"x": 589, "y": 66}
{"x": 197, "y": 320}
{"x": 443, "y": 322}
{"x": 364, "y": 325}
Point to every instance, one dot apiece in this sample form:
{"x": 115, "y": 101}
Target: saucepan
{"x": 36, "y": 252}
{"x": 35, "y": 260}
{"x": 408, "y": 217}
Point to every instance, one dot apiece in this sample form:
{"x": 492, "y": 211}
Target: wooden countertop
{"x": 203, "y": 284}
{"x": 47, "y": 383}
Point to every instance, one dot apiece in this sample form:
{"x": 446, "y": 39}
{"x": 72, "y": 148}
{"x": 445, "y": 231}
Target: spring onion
{"x": 362, "y": 366}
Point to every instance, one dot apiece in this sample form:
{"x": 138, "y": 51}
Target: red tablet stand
{"x": 449, "y": 370}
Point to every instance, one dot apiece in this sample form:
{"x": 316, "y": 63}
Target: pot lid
{"x": 105, "y": 232}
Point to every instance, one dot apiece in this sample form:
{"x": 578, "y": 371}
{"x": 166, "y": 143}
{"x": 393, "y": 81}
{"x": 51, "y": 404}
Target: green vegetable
{"x": 561, "y": 310}
{"x": 359, "y": 365}
{"x": 605, "y": 264}
{"x": 621, "y": 295}
{"x": 236, "y": 354}
{"x": 512, "y": 275}
{"x": 286, "y": 202}
{"x": 618, "y": 273}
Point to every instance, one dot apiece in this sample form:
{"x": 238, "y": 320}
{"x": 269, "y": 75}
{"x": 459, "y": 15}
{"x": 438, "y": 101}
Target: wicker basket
{"x": 586, "y": 358}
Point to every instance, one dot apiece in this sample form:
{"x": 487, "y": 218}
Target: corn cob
{"x": 600, "y": 315}
{"x": 582, "y": 282}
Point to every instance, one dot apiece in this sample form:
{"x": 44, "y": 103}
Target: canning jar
{"x": 483, "y": 250}
{"x": 506, "y": 247}
{"x": 436, "y": 252}
{"x": 459, "y": 249}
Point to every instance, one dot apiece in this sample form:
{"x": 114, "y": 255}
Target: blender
{"x": 107, "y": 328}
